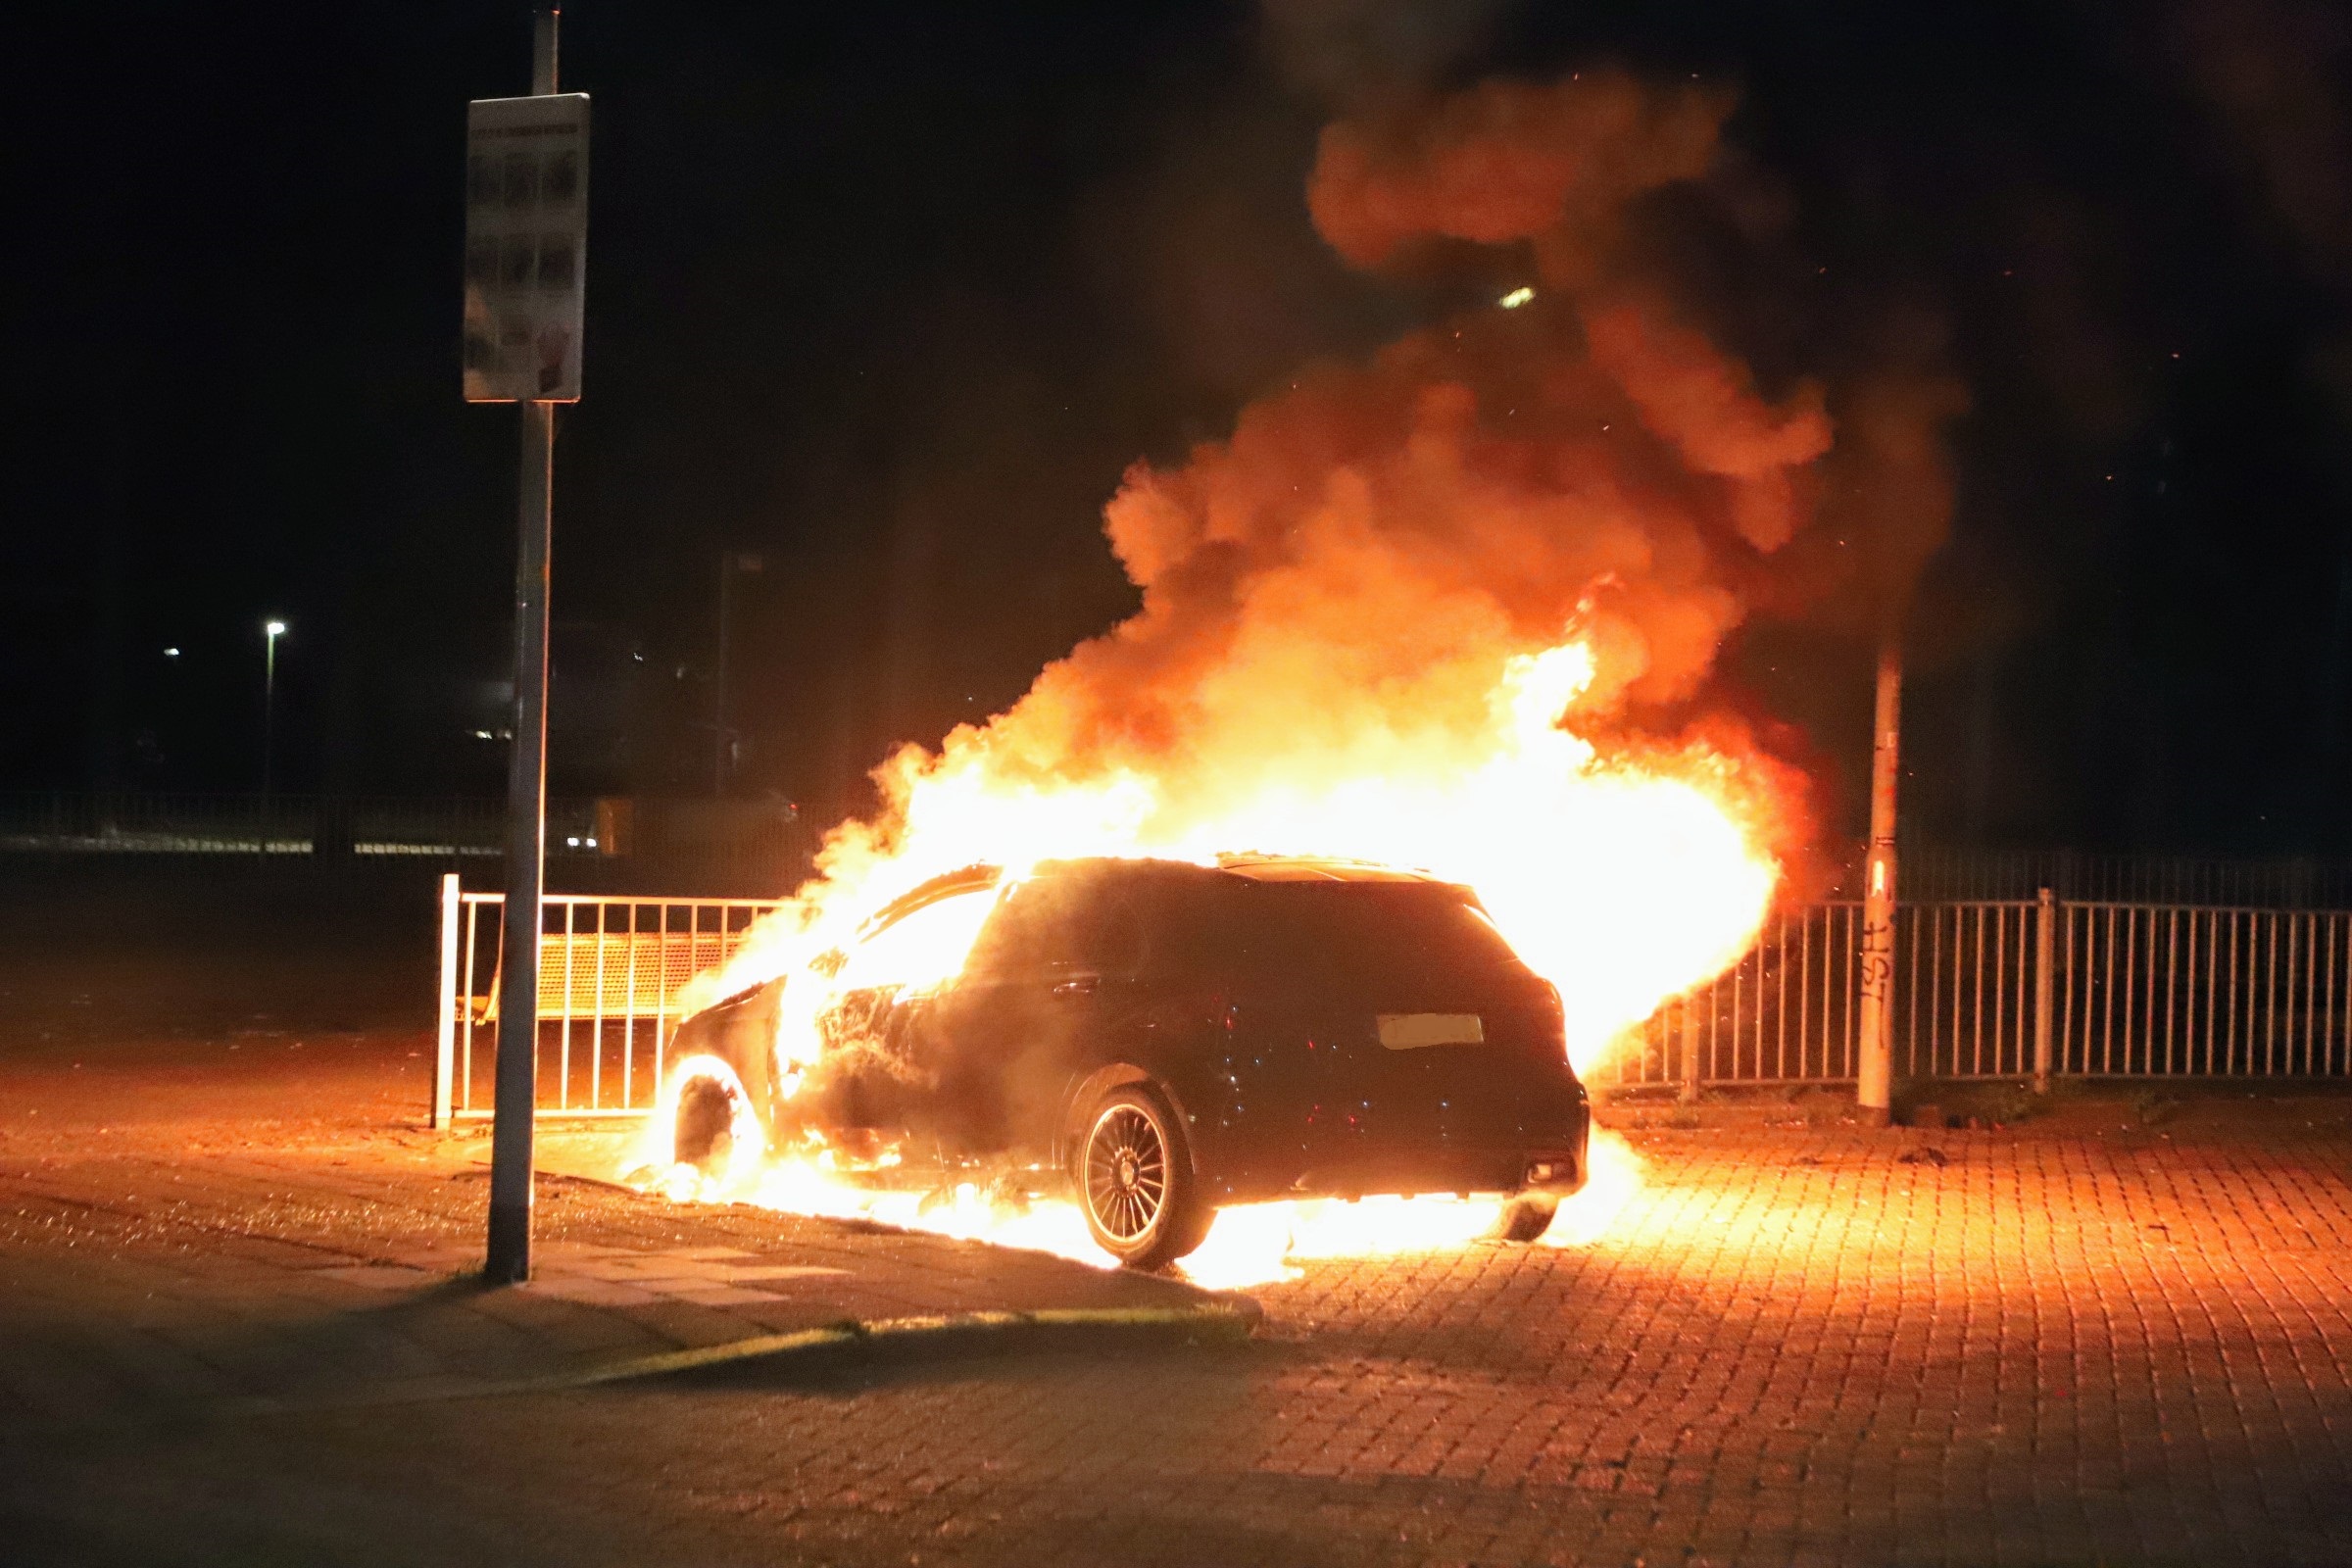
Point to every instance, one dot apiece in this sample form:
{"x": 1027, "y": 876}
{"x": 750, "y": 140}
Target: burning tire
{"x": 713, "y": 1127}
{"x": 1527, "y": 1217}
{"x": 1136, "y": 1182}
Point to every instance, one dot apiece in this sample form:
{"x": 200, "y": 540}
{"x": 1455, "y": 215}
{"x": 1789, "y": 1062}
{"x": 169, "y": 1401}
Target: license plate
{"x": 1414, "y": 1031}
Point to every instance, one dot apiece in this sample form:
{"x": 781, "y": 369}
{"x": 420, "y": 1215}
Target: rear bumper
{"x": 1553, "y": 1158}
{"x": 1556, "y": 1170}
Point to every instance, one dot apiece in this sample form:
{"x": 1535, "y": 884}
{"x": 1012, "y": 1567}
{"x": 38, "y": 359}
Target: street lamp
{"x": 271, "y": 631}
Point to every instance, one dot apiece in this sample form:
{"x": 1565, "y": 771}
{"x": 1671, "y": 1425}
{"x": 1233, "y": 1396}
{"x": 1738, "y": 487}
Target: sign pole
{"x": 518, "y": 1092}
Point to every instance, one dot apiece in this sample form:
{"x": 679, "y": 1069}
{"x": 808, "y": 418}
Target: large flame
{"x": 1455, "y": 608}
{"x": 1621, "y": 882}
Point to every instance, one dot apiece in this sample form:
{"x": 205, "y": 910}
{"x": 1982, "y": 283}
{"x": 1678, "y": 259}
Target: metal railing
{"x": 2026, "y": 989}
{"x": 763, "y": 843}
{"x": 609, "y": 974}
{"x": 2020, "y": 989}
{"x": 1945, "y": 873}
{"x": 2149, "y": 989}
{"x": 57, "y": 822}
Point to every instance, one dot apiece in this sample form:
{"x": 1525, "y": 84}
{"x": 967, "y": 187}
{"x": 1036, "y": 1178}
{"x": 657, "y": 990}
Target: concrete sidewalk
{"x": 235, "y": 1257}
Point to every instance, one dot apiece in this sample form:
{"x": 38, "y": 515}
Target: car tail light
{"x": 1555, "y": 1016}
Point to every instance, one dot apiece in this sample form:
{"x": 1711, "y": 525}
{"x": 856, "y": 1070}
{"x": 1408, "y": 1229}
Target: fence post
{"x": 2045, "y": 959}
{"x": 445, "y": 1039}
{"x": 1689, "y": 1052}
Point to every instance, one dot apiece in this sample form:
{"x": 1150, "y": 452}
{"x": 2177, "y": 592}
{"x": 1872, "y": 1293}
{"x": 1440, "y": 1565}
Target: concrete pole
{"x": 517, "y": 1077}
{"x": 1874, "y": 1070}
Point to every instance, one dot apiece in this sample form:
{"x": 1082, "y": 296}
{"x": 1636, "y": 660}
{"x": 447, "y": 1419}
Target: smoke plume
{"x": 1345, "y": 572}
{"x": 1337, "y": 597}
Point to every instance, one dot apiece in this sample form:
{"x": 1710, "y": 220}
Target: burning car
{"x": 1157, "y": 1039}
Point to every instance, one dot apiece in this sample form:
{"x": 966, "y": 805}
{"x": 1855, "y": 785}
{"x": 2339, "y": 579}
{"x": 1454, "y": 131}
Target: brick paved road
{"x": 1791, "y": 1347}
{"x": 163, "y": 1250}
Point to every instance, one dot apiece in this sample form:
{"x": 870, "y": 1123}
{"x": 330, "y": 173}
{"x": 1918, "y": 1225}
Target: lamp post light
{"x": 271, "y": 631}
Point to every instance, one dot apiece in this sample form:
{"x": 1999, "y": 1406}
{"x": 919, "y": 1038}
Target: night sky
{"x": 892, "y": 295}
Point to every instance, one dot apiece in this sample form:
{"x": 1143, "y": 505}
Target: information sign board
{"x": 526, "y": 247}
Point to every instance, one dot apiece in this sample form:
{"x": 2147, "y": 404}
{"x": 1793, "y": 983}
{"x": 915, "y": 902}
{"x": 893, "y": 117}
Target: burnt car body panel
{"x": 1250, "y": 997}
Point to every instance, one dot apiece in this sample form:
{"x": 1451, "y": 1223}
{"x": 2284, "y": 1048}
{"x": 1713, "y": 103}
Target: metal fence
{"x": 695, "y": 840}
{"x": 1942, "y": 873}
{"x": 2148, "y": 989}
{"x": 746, "y": 845}
{"x": 58, "y": 822}
{"x": 2020, "y": 989}
{"x": 2025, "y": 989}
{"x": 609, "y": 974}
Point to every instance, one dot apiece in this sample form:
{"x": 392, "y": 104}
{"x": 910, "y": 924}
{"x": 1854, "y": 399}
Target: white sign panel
{"x": 526, "y": 247}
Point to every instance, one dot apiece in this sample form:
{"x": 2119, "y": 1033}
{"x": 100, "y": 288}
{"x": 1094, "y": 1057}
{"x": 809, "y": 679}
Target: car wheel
{"x": 1135, "y": 1181}
{"x": 703, "y": 1132}
{"x": 1526, "y": 1217}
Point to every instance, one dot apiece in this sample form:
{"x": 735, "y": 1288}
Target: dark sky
{"x": 892, "y": 295}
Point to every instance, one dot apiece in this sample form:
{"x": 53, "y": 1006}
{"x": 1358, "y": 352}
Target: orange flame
{"x": 1416, "y": 611}
{"x": 1622, "y": 883}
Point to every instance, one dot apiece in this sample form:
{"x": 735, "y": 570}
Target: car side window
{"x": 1020, "y": 937}
{"x": 1056, "y": 926}
{"x": 1109, "y": 936}
{"x": 923, "y": 947}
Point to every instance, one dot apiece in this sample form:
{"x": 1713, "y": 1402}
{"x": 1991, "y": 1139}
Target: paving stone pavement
{"x": 140, "y": 1278}
{"x": 1790, "y": 1346}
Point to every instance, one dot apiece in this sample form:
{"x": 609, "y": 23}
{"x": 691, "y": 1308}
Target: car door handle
{"x": 1078, "y": 985}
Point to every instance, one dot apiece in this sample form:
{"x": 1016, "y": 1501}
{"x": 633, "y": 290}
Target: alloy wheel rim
{"x": 1126, "y": 1173}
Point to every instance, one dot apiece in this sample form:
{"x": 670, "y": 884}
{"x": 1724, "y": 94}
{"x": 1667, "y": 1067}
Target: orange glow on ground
{"x": 1250, "y": 1243}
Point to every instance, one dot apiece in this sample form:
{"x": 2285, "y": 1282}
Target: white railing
{"x": 2029, "y": 989}
{"x": 2154, "y": 989}
{"x": 2032, "y": 989}
{"x": 610, "y": 972}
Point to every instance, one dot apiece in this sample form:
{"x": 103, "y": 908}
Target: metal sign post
{"x": 527, "y": 251}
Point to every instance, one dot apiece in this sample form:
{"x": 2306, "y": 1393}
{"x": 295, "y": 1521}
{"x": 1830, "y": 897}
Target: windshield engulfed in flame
{"x": 921, "y": 950}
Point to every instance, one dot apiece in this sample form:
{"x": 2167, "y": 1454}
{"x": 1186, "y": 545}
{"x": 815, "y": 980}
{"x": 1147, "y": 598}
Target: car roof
{"x": 1249, "y": 866}
{"x": 1314, "y": 868}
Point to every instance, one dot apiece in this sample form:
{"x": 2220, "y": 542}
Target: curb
{"x": 883, "y": 1342}
{"x": 894, "y": 1341}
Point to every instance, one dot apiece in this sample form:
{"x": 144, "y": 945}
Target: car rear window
{"x": 1387, "y": 936}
